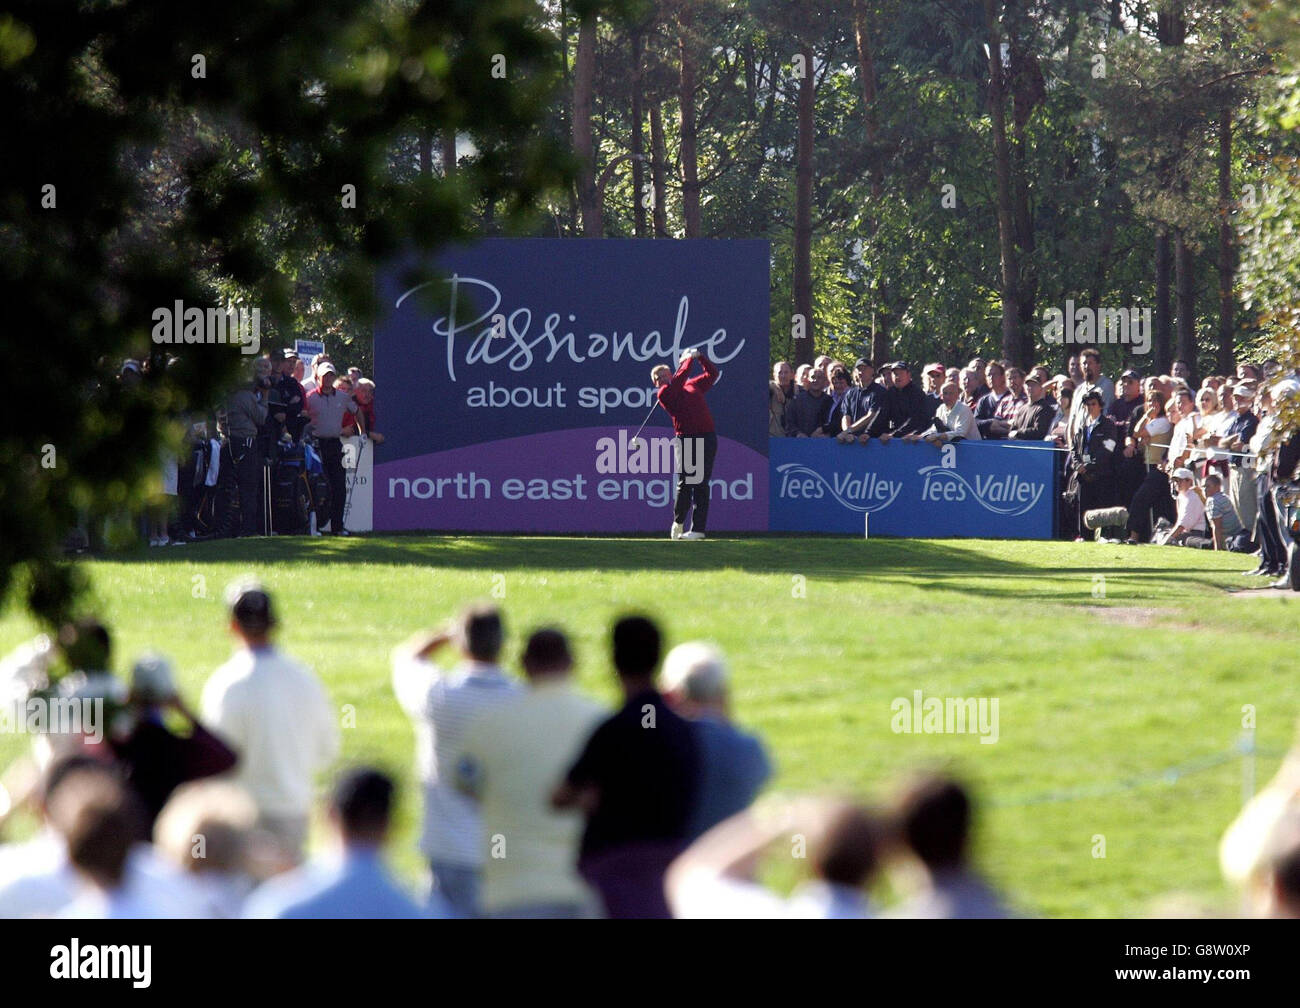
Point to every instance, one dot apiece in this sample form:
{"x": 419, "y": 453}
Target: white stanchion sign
{"x": 359, "y": 477}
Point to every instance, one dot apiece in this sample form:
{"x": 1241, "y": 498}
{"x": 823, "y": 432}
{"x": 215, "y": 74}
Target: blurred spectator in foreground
{"x": 1284, "y": 873}
{"x": 154, "y": 759}
{"x": 934, "y": 820}
{"x": 441, "y": 704}
{"x": 513, "y": 755}
{"x": 1265, "y": 827}
{"x": 101, "y": 823}
{"x": 207, "y": 830}
{"x": 636, "y": 779}
{"x": 356, "y": 887}
{"x": 715, "y": 877}
{"x": 275, "y": 714}
{"x": 733, "y": 764}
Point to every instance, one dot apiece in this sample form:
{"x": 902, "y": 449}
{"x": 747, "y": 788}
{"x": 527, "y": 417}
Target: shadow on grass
{"x": 941, "y": 562}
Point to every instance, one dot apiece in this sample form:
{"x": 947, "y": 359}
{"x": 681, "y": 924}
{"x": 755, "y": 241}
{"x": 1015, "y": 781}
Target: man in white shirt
{"x": 276, "y": 715}
{"x": 441, "y": 705}
{"x": 513, "y": 756}
{"x": 953, "y": 419}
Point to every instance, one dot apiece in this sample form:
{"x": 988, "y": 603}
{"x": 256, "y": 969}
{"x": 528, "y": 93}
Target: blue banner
{"x": 972, "y": 489}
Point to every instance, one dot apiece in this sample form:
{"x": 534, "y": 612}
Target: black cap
{"x": 861, "y": 361}
{"x": 1131, "y": 373}
{"x": 899, "y": 365}
{"x": 289, "y": 353}
{"x": 250, "y": 607}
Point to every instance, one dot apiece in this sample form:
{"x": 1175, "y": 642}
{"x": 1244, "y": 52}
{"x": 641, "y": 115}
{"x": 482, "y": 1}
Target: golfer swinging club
{"x": 695, "y": 444}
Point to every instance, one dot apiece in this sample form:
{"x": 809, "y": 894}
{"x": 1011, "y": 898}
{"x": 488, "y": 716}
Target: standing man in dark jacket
{"x": 1093, "y": 456}
{"x": 696, "y": 441}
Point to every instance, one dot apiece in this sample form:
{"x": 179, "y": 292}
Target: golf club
{"x": 637, "y": 435}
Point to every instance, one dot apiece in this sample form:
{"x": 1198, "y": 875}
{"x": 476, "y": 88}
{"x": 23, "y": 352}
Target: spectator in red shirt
{"x": 696, "y": 442}
{"x": 362, "y": 413}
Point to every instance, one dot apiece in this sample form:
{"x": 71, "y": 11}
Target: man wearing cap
{"x": 276, "y": 716}
{"x": 683, "y": 399}
{"x": 863, "y": 413}
{"x": 1191, "y": 510}
{"x": 1093, "y": 456}
{"x": 909, "y": 410}
{"x": 1126, "y": 410}
{"x": 289, "y": 396}
{"x": 1034, "y": 418}
{"x": 327, "y": 411}
{"x": 1235, "y": 439}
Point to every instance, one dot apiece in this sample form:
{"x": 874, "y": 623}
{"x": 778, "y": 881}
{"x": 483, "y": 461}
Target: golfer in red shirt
{"x": 696, "y": 443}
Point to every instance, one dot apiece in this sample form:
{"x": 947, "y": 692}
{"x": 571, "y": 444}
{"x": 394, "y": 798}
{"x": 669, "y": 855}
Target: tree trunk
{"x": 1185, "y": 281}
{"x": 638, "y": 139}
{"x": 658, "y": 169}
{"x": 425, "y": 152}
{"x": 803, "y": 302}
{"x": 686, "y": 103}
{"x": 1011, "y": 342}
{"x": 1227, "y": 261}
{"x": 880, "y": 341}
{"x": 1164, "y": 312}
{"x": 447, "y": 141}
{"x": 584, "y": 75}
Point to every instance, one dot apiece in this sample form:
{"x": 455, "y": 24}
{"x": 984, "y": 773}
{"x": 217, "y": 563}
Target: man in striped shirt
{"x": 441, "y": 705}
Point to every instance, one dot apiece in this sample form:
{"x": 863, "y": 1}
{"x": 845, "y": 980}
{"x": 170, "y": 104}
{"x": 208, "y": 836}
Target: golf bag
{"x": 298, "y": 488}
{"x": 290, "y": 492}
{"x": 210, "y": 512}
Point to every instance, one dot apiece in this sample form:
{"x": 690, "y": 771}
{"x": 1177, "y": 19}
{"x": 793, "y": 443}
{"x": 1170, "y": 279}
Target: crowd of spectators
{"x": 1157, "y": 459}
{"x": 538, "y": 802}
{"x": 247, "y": 461}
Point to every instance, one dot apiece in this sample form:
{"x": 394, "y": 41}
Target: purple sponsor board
{"x": 495, "y": 400}
{"x": 560, "y": 481}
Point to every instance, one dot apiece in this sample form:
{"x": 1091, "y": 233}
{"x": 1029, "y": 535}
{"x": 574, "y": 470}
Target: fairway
{"x": 1120, "y": 673}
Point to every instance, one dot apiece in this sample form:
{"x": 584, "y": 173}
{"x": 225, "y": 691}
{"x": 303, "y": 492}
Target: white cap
{"x": 1184, "y": 473}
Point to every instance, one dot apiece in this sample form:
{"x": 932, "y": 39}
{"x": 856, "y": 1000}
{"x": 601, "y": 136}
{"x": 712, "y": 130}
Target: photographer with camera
{"x": 1092, "y": 453}
{"x": 246, "y": 414}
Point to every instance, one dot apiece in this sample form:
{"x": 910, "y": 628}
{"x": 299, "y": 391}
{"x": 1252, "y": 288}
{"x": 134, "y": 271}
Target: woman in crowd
{"x": 1151, "y": 436}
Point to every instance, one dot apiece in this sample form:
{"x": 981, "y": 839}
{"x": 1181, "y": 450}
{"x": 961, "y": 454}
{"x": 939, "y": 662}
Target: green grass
{"x": 1098, "y": 696}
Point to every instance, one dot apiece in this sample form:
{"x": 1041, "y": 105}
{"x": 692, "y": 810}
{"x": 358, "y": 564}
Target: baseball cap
{"x": 327, "y": 368}
{"x": 899, "y": 365}
{"x": 289, "y": 353}
{"x": 861, "y": 361}
{"x": 936, "y": 369}
{"x": 250, "y": 605}
{"x": 1184, "y": 473}
{"x": 1031, "y": 378}
{"x": 1131, "y": 373}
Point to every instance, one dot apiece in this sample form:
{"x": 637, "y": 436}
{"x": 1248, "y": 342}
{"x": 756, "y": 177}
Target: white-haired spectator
{"x": 953, "y": 419}
{"x": 207, "y": 831}
{"x": 276, "y": 715}
{"x": 715, "y": 877}
{"x": 734, "y": 766}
